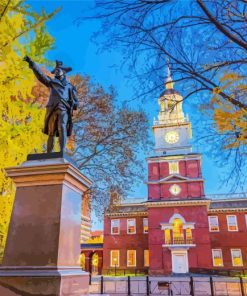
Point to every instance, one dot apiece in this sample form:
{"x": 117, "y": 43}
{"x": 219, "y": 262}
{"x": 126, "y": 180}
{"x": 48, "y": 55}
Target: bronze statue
{"x": 62, "y": 101}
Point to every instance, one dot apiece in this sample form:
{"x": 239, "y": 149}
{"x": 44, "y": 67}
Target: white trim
{"x": 126, "y": 214}
{"x": 223, "y": 210}
{"x": 128, "y": 226}
{"x": 172, "y": 177}
{"x": 176, "y": 216}
{"x": 165, "y": 226}
{"x": 178, "y": 203}
{"x": 179, "y": 180}
{"x": 113, "y": 265}
{"x": 236, "y": 222}
{"x": 209, "y": 224}
{"x": 221, "y": 257}
{"x": 118, "y": 226}
{"x": 183, "y": 246}
{"x": 232, "y": 250}
{"x": 196, "y": 156}
{"x": 128, "y": 258}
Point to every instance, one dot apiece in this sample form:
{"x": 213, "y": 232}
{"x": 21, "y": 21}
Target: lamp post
{"x": 115, "y": 264}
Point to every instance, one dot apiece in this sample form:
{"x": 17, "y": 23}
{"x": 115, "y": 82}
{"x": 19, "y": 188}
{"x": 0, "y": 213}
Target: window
{"x": 178, "y": 233}
{"x": 236, "y": 257}
{"x": 114, "y": 258}
{"x": 232, "y": 223}
{"x": 131, "y": 258}
{"x": 115, "y": 226}
{"x": 131, "y": 226}
{"x": 213, "y": 223}
{"x": 173, "y": 167}
{"x": 146, "y": 258}
{"x": 145, "y": 225}
{"x": 246, "y": 220}
{"x": 168, "y": 236}
{"x": 188, "y": 232}
{"x": 217, "y": 257}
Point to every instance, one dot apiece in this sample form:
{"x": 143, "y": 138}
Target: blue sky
{"x": 74, "y": 47}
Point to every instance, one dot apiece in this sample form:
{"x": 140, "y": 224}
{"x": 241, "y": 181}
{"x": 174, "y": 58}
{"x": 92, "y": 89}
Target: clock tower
{"x": 172, "y": 130}
{"x": 178, "y": 235}
{"x": 174, "y": 172}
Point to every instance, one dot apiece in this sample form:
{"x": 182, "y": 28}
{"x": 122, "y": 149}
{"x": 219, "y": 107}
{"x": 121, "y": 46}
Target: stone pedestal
{"x": 43, "y": 244}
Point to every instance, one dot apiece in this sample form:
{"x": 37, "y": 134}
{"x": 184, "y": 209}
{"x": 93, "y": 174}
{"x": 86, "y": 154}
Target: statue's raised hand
{"x": 27, "y": 59}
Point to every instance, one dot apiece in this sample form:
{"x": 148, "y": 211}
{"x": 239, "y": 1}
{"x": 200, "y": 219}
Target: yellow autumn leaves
{"x": 229, "y": 119}
{"x": 22, "y": 32}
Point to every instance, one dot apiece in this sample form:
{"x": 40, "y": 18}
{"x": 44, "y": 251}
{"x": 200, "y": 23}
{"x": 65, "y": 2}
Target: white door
{"x": 179, "y": 262}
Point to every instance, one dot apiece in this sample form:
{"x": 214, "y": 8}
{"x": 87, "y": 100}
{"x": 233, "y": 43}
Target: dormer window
{"x": 173, "y": 167}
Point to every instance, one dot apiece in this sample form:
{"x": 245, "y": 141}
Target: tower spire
{"x": 169, "y": 83}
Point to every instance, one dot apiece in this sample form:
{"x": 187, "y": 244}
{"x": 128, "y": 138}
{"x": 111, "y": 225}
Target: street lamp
{"x": 115, "y": 264}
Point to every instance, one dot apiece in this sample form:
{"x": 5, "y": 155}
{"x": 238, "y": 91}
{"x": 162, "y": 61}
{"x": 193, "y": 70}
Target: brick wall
{"x": 124, "y": 242}
{"x": 227, "y": 240}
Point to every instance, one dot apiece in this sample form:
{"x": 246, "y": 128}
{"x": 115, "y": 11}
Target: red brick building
{"x": 177, "y": 229}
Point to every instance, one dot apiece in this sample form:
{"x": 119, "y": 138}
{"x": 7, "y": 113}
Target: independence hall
{"x": 177, "y": 229}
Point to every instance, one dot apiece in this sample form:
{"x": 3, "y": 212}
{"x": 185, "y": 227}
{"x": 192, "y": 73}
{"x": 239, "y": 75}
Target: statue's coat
{"x": 59, "y": 92}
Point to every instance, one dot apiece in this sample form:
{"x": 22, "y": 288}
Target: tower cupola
{"x": 172, "y": 130}
{"x": 170, "y": 102}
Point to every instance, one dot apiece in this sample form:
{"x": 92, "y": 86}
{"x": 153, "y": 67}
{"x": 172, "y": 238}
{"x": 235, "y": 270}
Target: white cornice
{"x": 178, "y": 203}
{"x": 182, "y": 246}
{"x": 126, "y": 214}
{"x": 171, "y": 124}
{"x": 175, "y": 181}
{"x": 223, "y": 210}
{"x": 173, "y": 157}
{"x": 175, "y": 176}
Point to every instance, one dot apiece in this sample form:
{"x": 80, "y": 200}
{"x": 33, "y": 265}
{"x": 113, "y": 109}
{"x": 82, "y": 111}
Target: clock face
{"x": 175, "y": 189}
{"x": 172, "y": 137}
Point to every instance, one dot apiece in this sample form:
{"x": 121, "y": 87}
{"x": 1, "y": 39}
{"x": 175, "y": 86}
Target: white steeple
{"x": 170, "y": 102}
{"x": 172, "y": 130}
{"x": 169, "y": 82}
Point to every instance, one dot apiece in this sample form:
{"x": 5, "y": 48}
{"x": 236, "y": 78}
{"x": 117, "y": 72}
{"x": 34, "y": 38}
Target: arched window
{"x": 178, "y": 236}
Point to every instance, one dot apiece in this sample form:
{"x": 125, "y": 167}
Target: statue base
{"x": 42, "y": 254}
{"x": 45, "y": 282}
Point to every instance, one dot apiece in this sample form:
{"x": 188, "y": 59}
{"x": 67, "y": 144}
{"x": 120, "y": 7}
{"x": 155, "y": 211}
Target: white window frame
{"x": 172, "y": 172}
{"x": 145, "y": 258}
{"x": 236, "y": 221}
{"x": 146, "y": 219}
{"x": 232, "y": 250}
{"x": 128, "y": 226}
{"x": 221, "y": 257}
{"x": 114, "y": 265}
{"x": 128, "y": 258}
{"x": 118, "y": 226}
{"x": 245, "y": 220}
{"x": 209, "y": 224}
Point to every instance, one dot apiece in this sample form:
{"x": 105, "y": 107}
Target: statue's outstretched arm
{"x": 46, "y": 80}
